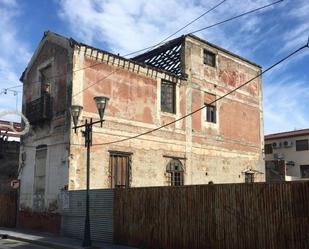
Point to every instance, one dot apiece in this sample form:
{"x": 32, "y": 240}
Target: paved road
{"x": 8, "y": 244}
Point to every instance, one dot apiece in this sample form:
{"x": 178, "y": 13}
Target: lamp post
{"x": 101, "y": 103}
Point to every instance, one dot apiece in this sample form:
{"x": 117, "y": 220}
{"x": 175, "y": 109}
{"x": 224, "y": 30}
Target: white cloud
{"x": 14, "y": 55}
{"x": 126, "y": 25}
{"x": 285, "y": 105}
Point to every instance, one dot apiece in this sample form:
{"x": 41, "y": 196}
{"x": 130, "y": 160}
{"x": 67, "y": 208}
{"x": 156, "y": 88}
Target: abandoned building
{"x": 222, "y": 143}
{"x": 286, "y": 156}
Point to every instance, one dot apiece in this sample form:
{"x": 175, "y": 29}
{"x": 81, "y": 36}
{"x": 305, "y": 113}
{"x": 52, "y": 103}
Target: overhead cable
{"x": 199, "y": 109}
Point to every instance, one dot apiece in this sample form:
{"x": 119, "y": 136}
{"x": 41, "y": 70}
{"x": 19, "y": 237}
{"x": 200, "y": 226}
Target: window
{"x": 302, "y": 145}
{"x": 39, "y": 178}
{"x": 168, "y": 97}
{"x": 268, "y": 149}
{"x": 210, "y": 113}
{"x": 175, "y": 171}
{"x": 249, "y": 177}
{"x": 45, "y": 77}
{"x": 120, "y": 166}
{"x": 209, "y": 58}
{"x": 304, "y": 171}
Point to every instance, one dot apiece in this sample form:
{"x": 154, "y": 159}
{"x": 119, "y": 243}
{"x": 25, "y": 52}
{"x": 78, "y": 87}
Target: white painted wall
{"x": 290, "y": 154}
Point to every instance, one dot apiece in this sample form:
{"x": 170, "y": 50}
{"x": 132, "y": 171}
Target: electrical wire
{"x": 12, "y": 87}
{"x": 221, "y": 22}
{"x": 213, "y": 25}
{"x": 99, "y": 63}
{"x": 235, "y": 17}
{"x": 199, "y": 109}
{"x": 165, "y": 39}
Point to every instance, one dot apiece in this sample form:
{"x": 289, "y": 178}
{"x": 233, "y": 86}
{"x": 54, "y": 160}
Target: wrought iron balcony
{"x": 39, "y": 110}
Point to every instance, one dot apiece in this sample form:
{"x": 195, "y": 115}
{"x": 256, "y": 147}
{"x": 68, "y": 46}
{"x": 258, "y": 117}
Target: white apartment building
{"x": 287, "y": 156}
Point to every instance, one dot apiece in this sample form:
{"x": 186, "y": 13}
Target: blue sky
{"x": 127, "y": 25}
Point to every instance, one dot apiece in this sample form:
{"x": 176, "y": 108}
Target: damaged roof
{"x": 166, "y": 57}
{"x": 72, "y": 42}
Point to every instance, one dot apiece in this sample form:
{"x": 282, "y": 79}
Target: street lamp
{"x": 101, "y": 103}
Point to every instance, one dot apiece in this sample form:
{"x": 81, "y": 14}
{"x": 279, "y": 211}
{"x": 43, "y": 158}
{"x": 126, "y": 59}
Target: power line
{"x": 213, "y": 25}
{"x": 96, "y": 82}
{"x": 235, "y": 17}
{"x": 165, "y": 39}
{"x": 6, "y": 90}
{"x": 229, "y": 19}
{"x": 12, "y": 87}
{"x": 114, "y": 71}
{"x": 199, "y": 109}
{"x": 99, "y": 63}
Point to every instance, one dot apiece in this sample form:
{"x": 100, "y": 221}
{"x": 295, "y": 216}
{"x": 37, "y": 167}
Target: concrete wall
{"x": 53, "y": 133}
{"x": 210, "y": 152}
{"x": 290, "y": 154}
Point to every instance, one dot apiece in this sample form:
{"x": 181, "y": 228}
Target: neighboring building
{"x": 287, "y": 156}
{"x": 222, "y": 143}
{"x": 9, "y": 152}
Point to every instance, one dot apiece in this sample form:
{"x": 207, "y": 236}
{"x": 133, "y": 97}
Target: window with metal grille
{"x": 168, "y": 97}
{"x": 304, "y": 171}
{"x": 210, "y": 113}
{"x": 120, "y": 166}
{"x": 302, "y": 145}
{"x": 249, "y": 177}
{"x": 209, "y": 58}
{"x": 175, "y": 171}
{"x": 268, "y": 149}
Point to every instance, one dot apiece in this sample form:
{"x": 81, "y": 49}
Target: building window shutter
{"x": 168, "y": 97}
{"x": 120, "y": 165}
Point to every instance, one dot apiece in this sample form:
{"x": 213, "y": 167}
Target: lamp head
{"x": 75, "y": 112}
{"x": 101, "y": 103}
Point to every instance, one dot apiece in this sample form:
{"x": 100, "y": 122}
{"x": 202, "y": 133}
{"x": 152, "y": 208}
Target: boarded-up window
{"x": 120, "y": 166}
{"x": 168, "y": 97}
{"x": 302, "y": 145}
{"x": 268, "y": 149}
{"x": 304, "y": 171}
{"x": 175, "y": 171}
{"x": 39, "y": 178}
{"x": 209, "y": 58}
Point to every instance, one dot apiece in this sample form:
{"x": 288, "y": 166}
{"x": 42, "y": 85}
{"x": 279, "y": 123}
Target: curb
{"x": 42, "y": 243}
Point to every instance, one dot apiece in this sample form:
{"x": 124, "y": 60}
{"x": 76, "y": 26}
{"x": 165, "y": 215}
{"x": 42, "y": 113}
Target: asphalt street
{"x": 8, "y": 244}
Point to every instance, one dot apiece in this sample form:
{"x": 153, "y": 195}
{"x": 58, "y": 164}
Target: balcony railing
{"x": 39, "y": 110}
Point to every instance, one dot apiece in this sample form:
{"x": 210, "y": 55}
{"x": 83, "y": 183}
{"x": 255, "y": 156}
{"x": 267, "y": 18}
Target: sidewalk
{"x": 52, "y": 241}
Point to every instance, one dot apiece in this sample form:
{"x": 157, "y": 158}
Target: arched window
{"x": 175, "y": 171}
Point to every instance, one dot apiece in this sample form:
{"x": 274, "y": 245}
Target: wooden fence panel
{"x": 8, "y": 208}
{"x": 242, "y": 216}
